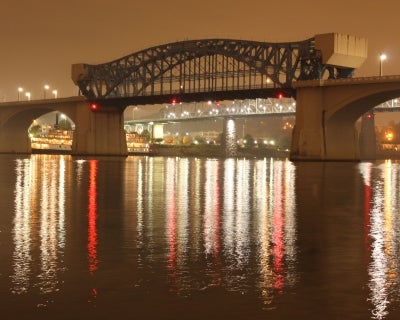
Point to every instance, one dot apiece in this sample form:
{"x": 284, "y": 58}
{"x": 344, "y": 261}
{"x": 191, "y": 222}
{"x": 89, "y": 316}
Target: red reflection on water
{"x": 278, "y": 222}
{"x": 367, "y": 208}
{"x": 92, "y": 217}
{"x": 172, "y": 233}
{"x": 172, "y": 227}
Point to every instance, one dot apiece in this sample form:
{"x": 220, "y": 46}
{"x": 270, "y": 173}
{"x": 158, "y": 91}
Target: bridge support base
{"x": 367, "y": 139}
{"x": 14, "y": 141}
{"x": 99, "y": 133}
{"x": 320, "y": 135}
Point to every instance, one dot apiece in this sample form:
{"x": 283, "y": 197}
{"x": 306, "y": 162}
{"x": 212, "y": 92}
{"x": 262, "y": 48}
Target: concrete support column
{"x": 229, "y": 137}
{"x": 99, "y": 132}
{"x": 323, "y": 131}
{"x": 367, "y": 138}
{"x": 14, "y": 140}
{"x": 14, "y": 136}
{"x": 308, "y": 134}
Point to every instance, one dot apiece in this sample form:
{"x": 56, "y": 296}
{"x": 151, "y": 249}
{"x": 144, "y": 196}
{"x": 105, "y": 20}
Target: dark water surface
{"x": 187, "y": 238}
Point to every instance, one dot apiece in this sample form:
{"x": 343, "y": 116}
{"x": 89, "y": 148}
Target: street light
{"x": 382, "y": 57}
{"x": 46, "y": 87}
{"x": 20, "y": 90}
{"x": 55, "y": 92}
{"x": 28, "y": 95}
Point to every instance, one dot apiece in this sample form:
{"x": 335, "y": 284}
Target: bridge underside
{"x": 196, "y": 97}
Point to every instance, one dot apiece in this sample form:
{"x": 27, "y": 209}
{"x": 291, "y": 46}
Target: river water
{"x": 196, "y": 238}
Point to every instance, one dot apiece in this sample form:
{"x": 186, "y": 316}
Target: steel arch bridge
{"x": 205, "y": 66}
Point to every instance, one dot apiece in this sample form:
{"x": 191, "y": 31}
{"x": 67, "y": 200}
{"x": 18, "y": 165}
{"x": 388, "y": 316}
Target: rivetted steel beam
{"x": 205, "y": 66}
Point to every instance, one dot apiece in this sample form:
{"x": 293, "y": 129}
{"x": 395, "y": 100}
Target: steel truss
{"x": 199, "y": 66}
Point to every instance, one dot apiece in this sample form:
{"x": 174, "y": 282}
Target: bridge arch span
{"x": 203, "y": 66}
{"x": 96, "y": 133}
{"x": 355, "y": 100}
{"x": 326, "y": 112}
{"x": 16, "y": 118}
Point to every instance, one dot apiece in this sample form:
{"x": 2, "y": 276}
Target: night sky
{"x": 40, "y": 40}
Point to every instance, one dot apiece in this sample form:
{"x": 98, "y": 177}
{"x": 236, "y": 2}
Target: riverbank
{"x": 206, "y": 150}
{"x": 216, "y": 151}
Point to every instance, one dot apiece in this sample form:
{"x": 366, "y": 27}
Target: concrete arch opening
{"x": 52, "y": 132}
{"x": 358, "y": 117}
{"x": 327, "y": 113}
{"x": 15, "y": 128}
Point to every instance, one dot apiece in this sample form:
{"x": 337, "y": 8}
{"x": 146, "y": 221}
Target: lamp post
{"x": 133, "y": 112}
{"x": 20, "y": 90}
{"x": 46, "y": 87}
{"x": 55, "y": 92}
{"x": 63, "y": 117}
{"x": 382, "y": 57}
{"x": 28, "y": 95}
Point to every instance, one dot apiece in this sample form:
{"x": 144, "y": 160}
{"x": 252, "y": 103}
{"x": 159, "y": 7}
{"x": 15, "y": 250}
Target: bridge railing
{"x": 388, "y": 106}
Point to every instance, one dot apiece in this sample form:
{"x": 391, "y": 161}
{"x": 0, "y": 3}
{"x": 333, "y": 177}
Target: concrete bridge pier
{"x": 14, "y": 141}
{"x": 229, "y": 137}
{"x": 99, "y": 131}
{"x": 321, "y": 133}
{"x": 14, "y": 130}
{"x": 367, "y": 137}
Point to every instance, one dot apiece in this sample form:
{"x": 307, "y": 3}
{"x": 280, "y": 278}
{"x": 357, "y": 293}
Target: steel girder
{"x": 204, "y": 66}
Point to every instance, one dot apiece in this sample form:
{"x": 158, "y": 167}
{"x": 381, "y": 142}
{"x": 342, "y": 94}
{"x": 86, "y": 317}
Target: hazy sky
{"x": 41, "y": 39}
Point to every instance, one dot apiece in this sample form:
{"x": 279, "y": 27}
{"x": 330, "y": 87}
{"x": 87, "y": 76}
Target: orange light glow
{"x": 389, "y": 135}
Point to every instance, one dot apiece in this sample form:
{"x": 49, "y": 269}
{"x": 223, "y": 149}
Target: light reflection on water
{"x": 384, "y": 265}
{"x": 39, "y": 225}
{"x": 191, "y": 225}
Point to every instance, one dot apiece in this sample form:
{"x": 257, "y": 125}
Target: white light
{"x": 19, "y": 93}
{"x": 382, "y": 57}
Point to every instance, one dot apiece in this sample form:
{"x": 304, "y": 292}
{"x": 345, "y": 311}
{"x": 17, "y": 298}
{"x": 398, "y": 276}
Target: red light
{"x": 173, "y": 101}
{"x": 280, "y": 96}
{"x": 94, "y": 107}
